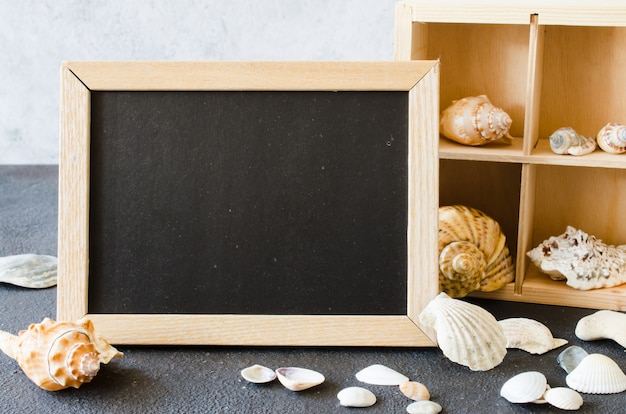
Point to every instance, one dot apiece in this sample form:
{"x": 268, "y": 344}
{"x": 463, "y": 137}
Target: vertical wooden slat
{"x": 533, "y": 85}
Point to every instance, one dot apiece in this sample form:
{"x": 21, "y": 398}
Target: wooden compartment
{"x": 549, "y": 66}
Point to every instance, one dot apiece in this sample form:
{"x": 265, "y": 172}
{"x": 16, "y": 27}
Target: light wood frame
{"x": 419, "y": 78}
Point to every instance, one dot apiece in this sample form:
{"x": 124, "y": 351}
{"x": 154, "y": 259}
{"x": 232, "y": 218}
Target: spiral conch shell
{"x": 567, "y": 141}
{"x": 475, "y": 121}
{"x": 58, "y": 355}
{"x": 612, "y": 138}
{"x": 473, "y": 254}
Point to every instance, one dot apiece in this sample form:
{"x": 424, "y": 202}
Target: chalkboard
{"x": 248, "y": 197}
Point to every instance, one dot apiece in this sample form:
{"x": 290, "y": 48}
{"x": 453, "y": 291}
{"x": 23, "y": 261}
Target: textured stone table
{"x": 206, "y": 379}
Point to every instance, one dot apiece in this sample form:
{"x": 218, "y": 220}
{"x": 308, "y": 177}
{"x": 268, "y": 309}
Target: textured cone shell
{"x": 474, "y": 121}
{"x": 466, "y": 333}
{"x": 597, "y": 374}
{"x": 460, "y": 227}
{"x": 612, "y": 138}
{"x": 58, "y": 355}
{"x": 529, "y": 335}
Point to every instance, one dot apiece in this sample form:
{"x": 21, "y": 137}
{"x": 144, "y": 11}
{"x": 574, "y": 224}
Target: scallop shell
{"x": 380, "y": 375}
{"x": 424, "y": 407}
{"x": 258, "y": 374}
{"x": 58, "y": 355}
{"x": 298, "y": 379}
{"x": 564, "y": 398}
{"x": 474, "y": 121}
{"x": 529, "y": 335}
{"x": 586, "y": 262}
{"x": 612, "y": 138}
{"x": 356, "y": 397}
{"x": 604, "y": 324}
{"x": 597, "y": 374}
{"x": 525, "y": 387}
{"x": 414, "y": 390}
{"x": 466, "y": 333}
{"x": 473, "y": 254}
{"x": 567, "y": 141}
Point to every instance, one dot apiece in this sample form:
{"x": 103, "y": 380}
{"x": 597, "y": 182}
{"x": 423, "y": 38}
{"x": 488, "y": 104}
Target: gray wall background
{"x": 36, "y": 36}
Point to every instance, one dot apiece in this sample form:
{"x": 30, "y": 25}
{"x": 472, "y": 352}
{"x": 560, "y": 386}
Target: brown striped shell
{"x": 473, "y": 254}
{"x": 58, "y": 355}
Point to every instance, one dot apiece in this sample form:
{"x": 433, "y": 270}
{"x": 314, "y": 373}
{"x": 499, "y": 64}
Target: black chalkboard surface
{"x": 249, "y": 203}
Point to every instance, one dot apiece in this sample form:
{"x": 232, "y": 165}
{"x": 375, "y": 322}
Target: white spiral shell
{"x": 567, "y": 141}
{"x": 612, "y": 138}
{"x": 474, "y": 121}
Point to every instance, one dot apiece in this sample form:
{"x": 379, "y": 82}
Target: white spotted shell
{"x": 58, "y": 355}
{"x": 612, "y": 138}
{"x": 466, "y": 333}
{"x": 567, "y": 141}
{"x": 474, "y": 121}
{"x": 473, "y": 254}
{"x": 597, "y": 374}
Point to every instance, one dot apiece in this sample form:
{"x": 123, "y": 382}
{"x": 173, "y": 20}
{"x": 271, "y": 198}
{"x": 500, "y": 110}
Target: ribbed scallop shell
{"x": 612, "y": 138}
{"x": 525, "y": 387}
{"x": 473, "y": 254}
{"x": 529, "y": 335}
{"x": 474, "y": 121}
{"x": 466, "y": 333}
{"x": 58, "y": 355}
{"x": 597, "y": 374}
{"x": 567, "y": 141}
{"x": 563, "y": 398}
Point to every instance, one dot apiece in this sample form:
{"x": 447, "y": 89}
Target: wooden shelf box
{"x": 548, "y": 65}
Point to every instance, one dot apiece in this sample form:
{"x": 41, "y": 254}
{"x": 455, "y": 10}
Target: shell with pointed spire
{"x": 473, "y": 254}
{"x": 58, "y": 355}
{"x": 475, "y": 121}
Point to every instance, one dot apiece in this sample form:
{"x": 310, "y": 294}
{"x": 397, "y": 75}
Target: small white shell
{"x": 564, "y": 398}
{"x": 529, "y": 335}
{"x": 380, "y": 375}
{"x": 298, "y": 379}
{"x": 258, "y": 374}
{"x": 424, "y": 407}
{"x": 597, "y": 374}
{"x": 604, "y": 324}
{"x": 525, "y": 387}
{"x": 414, "y": 390}
{"x": 612, "y": 138}
{"x": 466, "y": 333}
{"x": 356, "y": 397}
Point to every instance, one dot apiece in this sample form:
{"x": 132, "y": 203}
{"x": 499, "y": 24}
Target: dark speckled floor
{"x": 206, "y": 379}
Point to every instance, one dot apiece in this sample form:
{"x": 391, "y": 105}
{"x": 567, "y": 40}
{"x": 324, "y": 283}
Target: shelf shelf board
{"x": 495, "y": 151}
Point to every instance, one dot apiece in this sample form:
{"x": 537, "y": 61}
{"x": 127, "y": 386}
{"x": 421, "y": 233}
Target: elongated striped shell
{"x": 612, "y": 138}
{"x": 474, "y": 121}
{"x": 467, "y": 334}
{"x": 473, "y": 254}
{"x": 58, "y": 355}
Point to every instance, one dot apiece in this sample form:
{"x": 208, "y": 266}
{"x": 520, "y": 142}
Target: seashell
{"x": 58, "y": 355}
{"x": 29, "y": 270}
{"x": 414, "y": 390}
{"x": 571, "y": 357}
{"x": 424, "y": 407}
{"x": 597, "y": 374}
{"x": 612, "y": 138}
{"x": 258, "y": 374}
{"x": 567, "y": 141}
{"x": 475, "y": 121}
{"x": 473, "y": 254}
{"x": 525, "y": 387}
{"x": 466, "y": 333}
{"x": 529, "y": 335}
{"x": 604, "y": 324}
{"x": 586, "y": 262}
{"x": 564, "y": 398}
{"x": 356, "y": 397}
{"x": 298, "y": 379}
{"x": 380, "y": 375}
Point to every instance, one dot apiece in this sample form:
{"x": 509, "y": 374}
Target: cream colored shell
{"x": 414, "y": 390}
{"x": 597, "y": 374}
{"x": 474, "y": 121}
{"x": 473, "y": 254}
{"x": 58, "y": 355}
{"x": 604, "y": 324}
{"x": 529, "y": 335}
{"x": 612, "y": 138}
{"x": 567, "y": 141}
{"x": 467, "y": 334}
